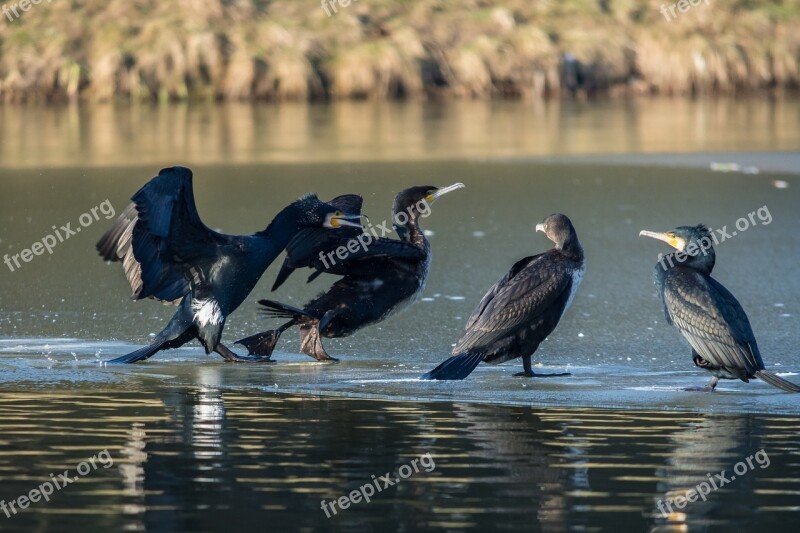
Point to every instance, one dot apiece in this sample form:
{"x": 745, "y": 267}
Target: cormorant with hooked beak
{"x": 705, "y": 312}
{"x": 523, "y": 308}
{"x": 170, "y": 255}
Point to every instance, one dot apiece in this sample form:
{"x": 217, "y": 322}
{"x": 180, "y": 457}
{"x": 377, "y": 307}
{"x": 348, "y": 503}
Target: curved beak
{"x": 333, "y": 221}
{"x": 675, "y": 242}
{"x": 444, "y": 190}
{"x": 540, "y": 227}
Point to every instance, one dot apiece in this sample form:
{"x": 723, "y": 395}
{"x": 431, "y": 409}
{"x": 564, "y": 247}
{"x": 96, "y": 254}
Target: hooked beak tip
{"x": 444, "y": 190}
{"x": 352, "y": 221}
{"x": 540, "y": 227}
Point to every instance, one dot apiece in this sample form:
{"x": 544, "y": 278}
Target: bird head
{"x": 558, "y": 228}
{"x": 311, "y": 212}
{"x": 688, "y": 239}
{"x": 415, "y": 202}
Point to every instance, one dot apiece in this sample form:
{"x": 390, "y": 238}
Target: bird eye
{"x": 338, "y": 213}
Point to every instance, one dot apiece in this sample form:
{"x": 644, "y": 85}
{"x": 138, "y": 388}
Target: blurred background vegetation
{"x": 149, "y": 50}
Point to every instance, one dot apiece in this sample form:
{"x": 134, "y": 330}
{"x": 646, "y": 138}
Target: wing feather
{"x": 158, "y": 234}
{"x": 304, "y": 248}
{"x": 712, "y": 321}
{"x": 526, "y": 292}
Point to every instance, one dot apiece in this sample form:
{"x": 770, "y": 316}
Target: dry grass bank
{"x": 290, "y": 49}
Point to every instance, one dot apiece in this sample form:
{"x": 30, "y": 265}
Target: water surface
{"x": 211, "y": 458}
{"x": 199, "y": 444}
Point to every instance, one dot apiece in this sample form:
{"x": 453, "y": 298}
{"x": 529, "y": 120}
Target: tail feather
{"x": 138, "y": 355}
{"x": 261, "y": 343}
{"x": 777, "y": 381}
{"x": 457, "y": 367}
{"x": 272, "y": 309}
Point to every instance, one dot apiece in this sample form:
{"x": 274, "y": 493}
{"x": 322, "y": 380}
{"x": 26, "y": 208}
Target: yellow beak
{"x": 676, "y": 242}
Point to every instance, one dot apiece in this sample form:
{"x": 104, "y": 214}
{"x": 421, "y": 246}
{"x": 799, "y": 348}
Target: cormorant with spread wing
{"x": 521, "y": 309}
{"x": 705, "y": 312}
{"x": 380, "y": 276}
{"x": 169, "y": 255}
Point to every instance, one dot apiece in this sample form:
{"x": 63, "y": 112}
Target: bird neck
{"x": 572, "y": 248}
{"x": 410, "y": 232}
{"x": 280, "y": 231}
{"x": 702, "y": 261}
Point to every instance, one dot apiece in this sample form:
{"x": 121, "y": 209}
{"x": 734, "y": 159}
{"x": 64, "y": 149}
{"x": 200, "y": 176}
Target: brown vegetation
{"x": 291, "y": 50}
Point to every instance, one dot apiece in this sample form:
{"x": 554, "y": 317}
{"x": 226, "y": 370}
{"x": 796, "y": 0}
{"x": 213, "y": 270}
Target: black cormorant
{"x": 380, "y": 276}
{"x": 705, "y": 312}
{"x": 170, "y": 255}
{"x": 521, "y": 309}
{"x": 304, "y": 248}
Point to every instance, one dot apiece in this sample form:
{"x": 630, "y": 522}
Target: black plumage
{"x": 521, "y": 309}
{"x": 169, "y": 255}
{"x": 379, "y": 277}
{"x": 304, "y": 248}
{"x": 708, "y": 316}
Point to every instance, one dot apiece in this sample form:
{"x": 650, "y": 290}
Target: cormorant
{"x": 380, "y": 276}
{"x": 523, "y": 308}
{"x": 170, "y": 255}
{"x": 303, "y": 250}
{"x": 705, "y": 312}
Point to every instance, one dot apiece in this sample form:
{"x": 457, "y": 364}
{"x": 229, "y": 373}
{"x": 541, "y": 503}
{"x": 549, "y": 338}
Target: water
{"x": 200, "y": 444}
{"x": 206, "y": 458}
{"x": 229, "y": 134}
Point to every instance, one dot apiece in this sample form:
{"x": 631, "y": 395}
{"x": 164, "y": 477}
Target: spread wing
{"x": 529, "y": 289}
{"x": 306, "y": 245}
{"x": 157, "y": 236}
{"x": 712, "y": 320}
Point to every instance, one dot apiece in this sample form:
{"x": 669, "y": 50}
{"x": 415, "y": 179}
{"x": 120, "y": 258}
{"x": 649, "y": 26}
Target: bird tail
{"x": 777, "y": 381}
{"x": 457, "y": 367}
{"x": 139, "y": 355}
{"x": 272, "y": 309}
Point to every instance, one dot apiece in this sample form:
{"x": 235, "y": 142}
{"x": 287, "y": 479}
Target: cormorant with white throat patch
{"x": 708, "y": 316}
{"x": 169, "y": 255}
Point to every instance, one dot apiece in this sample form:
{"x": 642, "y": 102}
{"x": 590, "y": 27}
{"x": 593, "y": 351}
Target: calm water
{"x": 203, "y": 458}
{"x": 199, "y": 444}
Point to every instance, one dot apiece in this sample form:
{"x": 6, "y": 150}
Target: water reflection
{"x": 111, "y": 135}
{"x": 209, "y": 458}
{"x": 708, "y": 446}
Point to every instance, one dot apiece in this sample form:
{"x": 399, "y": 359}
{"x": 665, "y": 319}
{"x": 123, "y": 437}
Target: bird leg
{"x": 527, "y": 371}
{"x": 310, "y": 343}
{"x": 708, "y": 388}
{"x": 232, "y": 357}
